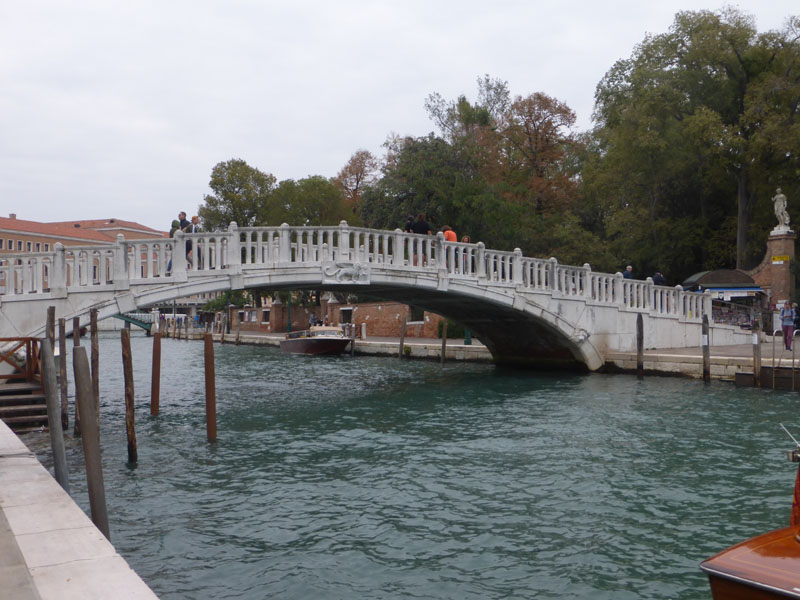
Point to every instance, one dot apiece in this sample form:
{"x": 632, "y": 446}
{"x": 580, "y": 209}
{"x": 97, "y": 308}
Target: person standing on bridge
{"x": 421, "y": 227}
{"x": 193, "y": 227}
{"x": 787, "y": 324}
{"x": 182, "y": 222}
{"x": 449, "y": 234}
{"x": 628, "y": 272}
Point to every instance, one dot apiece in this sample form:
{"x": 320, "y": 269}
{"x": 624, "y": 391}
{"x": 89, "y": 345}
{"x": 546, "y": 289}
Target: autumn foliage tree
{"x": 360, "y": 171}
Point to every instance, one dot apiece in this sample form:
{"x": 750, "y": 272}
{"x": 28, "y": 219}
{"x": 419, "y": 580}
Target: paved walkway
{"x": 49, "y": 549}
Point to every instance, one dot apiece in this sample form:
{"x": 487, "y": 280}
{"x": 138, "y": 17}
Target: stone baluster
{"x": 441, "y": 257}
{"x": 179, "y": 256}
{"x": 344, "y": 241}
{"x": 619, "y": 293}
{"x": 516, "y": 269}
{"x": 552, "y": 268}
{"x": 480, "y": 260}
{"x": 58, "y": 272}
{"x": 398, "y": 248}
{"x": 588, "y": 282}
{"x": 649, "y": 295}
{"x": 121, "y": 277}
{"x": 706, "y": 300}
{"x": 284, "y": 243}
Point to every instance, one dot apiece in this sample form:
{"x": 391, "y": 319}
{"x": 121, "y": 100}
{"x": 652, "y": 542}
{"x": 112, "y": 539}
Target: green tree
{"x": 314, "y": 200}
{"x": 240, "y": 193}
{"x": 700, "y": 122}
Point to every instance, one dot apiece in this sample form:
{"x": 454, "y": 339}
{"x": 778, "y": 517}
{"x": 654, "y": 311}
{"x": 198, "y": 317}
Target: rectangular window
{"x": 38, "y": 246}
{"x": 19, "y": 245}
{"x": 265, "y": 316}
{"x": 1, "y": 243}
{"x": 10, "y": 244}
{"x": 46, "y": 247}
{"x": 28, "y": 247}
{"x": 417, "y": 315}
{"x": 241, "y": 316}
{"x": 345, "y": 315}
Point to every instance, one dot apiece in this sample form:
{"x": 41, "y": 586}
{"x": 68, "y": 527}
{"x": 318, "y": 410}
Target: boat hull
{"x": 761, "y": 568}
{"x": 314, "y": 345}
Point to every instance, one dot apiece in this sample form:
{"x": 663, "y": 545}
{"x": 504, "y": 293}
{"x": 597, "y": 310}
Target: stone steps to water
{"x": 780, "y": 380}
{"x": 23, "y": 406}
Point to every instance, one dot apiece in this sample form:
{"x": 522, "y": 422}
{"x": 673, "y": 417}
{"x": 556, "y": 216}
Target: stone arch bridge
{"x": 526, "y": 310}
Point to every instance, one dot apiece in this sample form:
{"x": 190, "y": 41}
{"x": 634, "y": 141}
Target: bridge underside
{"x": 512, "y": 336}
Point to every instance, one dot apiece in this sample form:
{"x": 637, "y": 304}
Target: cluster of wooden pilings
{"x": 87, "y": 401}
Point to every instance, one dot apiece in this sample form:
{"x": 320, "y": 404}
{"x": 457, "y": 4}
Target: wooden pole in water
{"x": 756, "y": 357}
{"x": 402, "y": 338}
{"x": 76, "y": 342}
{"x": 238, "y": 332}
{"x": 155, "y": 385}
{"x": 444, "y": 341}
{"x": 706, "y": 352}
{"x": 211, "y": 391}
{"x": 174, "y": 326}
{"x": 186, "y": 328}
{"x": 639, "y": 346}
{"x": 50, "y": 328}
{"x": 91, "y": 441}
{"x": 352, "y": 339}
{"x": 62, "y": 372}
{"x": 54, "y": 414}
{"x": 95, "y": 360}
{"x": 127, "y": 369}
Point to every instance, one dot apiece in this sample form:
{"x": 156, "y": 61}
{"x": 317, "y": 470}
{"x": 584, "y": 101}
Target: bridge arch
{"x": 526, "y": 310}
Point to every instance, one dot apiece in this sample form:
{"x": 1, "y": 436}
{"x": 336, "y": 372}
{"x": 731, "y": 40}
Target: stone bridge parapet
{"x": 520, "y": 307}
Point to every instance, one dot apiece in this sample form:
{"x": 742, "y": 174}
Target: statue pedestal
{"x": 774, "y": 272}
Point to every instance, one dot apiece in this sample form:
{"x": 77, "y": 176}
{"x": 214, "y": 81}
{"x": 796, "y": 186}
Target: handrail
{"x": 118, "y": 265}
{"x": 32, "y": 366}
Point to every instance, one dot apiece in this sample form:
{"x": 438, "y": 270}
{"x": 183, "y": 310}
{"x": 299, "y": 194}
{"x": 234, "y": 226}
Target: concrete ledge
{"x": 49, "y": 548}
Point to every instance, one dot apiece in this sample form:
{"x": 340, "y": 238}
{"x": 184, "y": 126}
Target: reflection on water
{"x": 379, "y": 478}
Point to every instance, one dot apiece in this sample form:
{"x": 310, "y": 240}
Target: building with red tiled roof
{"x": 19, "y": 235}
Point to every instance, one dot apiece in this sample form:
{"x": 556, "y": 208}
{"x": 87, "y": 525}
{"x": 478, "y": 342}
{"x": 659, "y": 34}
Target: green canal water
{"x": 380, "y": 478}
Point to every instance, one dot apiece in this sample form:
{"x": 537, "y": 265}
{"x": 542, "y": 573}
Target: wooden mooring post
{"x": 639, "y": 346}
{"x": 402, "y": 339}
{"x": 155, "y": 382}
{"x": 91, "y": 441}
{"x": 756, "y": 356}
{"x": 444, "y": 341}
{"x": 54, "y": 414}
{"x": 76, "y": 342}
{"x": 706, "y": 352}
{"x": 62, "y": 372}
{"x": 50, "y": 327}
{"x": 211, "y": 391}
{"x": 127, "y": 369}
{"x": 95, "y": 359}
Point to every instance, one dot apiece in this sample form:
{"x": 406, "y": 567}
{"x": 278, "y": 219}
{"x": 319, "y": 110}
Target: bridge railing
{"x": 116, "y": 265}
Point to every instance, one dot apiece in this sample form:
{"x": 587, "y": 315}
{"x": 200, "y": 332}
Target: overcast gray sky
{"x": 121, "y": 109}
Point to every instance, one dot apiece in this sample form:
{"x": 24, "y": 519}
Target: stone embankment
{"x": 726, "y": 361}
{"x": 49, "y": 549}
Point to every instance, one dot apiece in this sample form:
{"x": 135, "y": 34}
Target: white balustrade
{"x": 73, "y": 268}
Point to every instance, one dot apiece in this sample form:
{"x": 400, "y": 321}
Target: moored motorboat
{"x": 318, "y": 339}
{"x": 764, "y": 567}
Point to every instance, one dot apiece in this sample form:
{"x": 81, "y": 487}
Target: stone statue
{"x": 779, "y": 202}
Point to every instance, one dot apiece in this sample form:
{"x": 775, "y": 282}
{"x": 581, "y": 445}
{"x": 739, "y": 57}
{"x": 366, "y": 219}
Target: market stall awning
{"x": 728, "y": 292}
